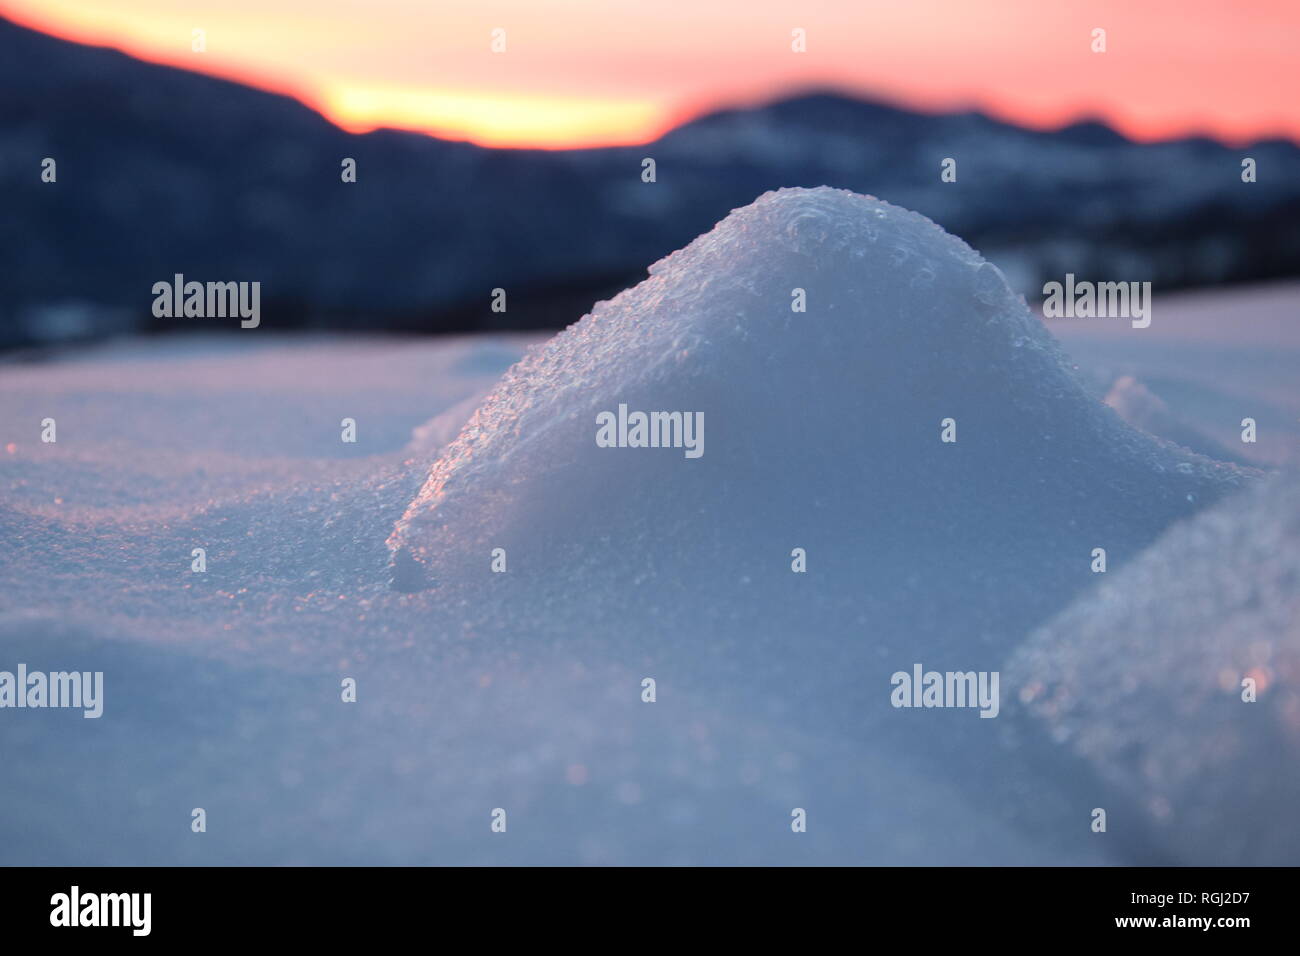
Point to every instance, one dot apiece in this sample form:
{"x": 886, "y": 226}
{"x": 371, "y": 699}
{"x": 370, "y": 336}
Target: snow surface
{"x": 522, "y": 690}
{"x": 1143, "y": 679}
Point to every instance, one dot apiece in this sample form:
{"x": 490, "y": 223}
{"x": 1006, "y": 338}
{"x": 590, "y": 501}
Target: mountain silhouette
{"x": 163, "y": 171}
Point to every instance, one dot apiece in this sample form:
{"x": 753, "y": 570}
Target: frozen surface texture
{"x": 822, "y": 431}
{"x": 1143, "y": 678}
{"x": 522, "y": 690}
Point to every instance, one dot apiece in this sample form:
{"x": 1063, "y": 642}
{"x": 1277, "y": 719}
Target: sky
{"x": 606, "y": 72}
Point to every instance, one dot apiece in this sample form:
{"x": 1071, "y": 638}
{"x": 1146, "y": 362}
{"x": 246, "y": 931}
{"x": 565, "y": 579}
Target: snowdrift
{"x": 822, "y": 443}
{"x": 823, "y": 431}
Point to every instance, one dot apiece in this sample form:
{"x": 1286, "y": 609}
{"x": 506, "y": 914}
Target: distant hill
{"x": 162, "y": 170}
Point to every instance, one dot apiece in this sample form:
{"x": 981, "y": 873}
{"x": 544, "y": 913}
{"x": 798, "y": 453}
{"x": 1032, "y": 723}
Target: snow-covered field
{"x": 522, "y": 690}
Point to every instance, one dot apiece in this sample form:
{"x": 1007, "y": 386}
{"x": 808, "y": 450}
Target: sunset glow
{"x": 619, "y": 71}
{"x": 494, "y": 119}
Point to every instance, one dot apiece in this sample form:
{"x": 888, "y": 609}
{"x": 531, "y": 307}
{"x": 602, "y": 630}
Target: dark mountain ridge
{"x": 163, "y": 171}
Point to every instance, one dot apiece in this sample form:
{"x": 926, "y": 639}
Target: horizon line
{"x": 353, "y": 117}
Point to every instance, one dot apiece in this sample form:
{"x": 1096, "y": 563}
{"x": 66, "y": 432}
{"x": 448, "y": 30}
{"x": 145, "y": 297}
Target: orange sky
{"x": 599, "y": 72}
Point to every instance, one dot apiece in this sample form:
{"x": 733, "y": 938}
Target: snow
{"x": 1143, "y": 680}
{"x": 522, "y": 689}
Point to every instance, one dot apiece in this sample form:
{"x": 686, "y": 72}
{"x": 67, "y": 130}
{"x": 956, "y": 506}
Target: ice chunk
{"x": 1143, "y": 679}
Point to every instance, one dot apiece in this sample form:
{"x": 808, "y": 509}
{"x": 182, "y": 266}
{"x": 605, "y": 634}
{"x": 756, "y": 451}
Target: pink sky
{"x": 592, "y": 72}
